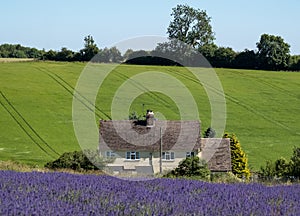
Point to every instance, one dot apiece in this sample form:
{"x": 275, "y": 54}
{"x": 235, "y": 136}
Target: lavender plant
{"x": 35, "y": 193}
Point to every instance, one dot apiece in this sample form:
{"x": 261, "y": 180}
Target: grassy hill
{"x": 36, "y": 108}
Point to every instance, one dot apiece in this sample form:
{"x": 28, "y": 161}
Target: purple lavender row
{"x": 37, "y": 193}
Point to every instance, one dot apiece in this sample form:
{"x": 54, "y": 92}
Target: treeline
{"x": 272, "y": 54}
{"x": 191, "y": 37}
{"x": 18, "y": 51}
{"x": 89, "y": 50}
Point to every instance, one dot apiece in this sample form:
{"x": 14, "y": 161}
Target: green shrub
{"x": 282, "y": 169}
{"x": 135, "y": 116}
{"x": 193, "y": 167}
{"x": 209, "y": 133}
{"x": 267, "y": 172}
{"x": 279, "y": 169}
{"x": 78, "y": 160}
{"x": 295, "y": 163}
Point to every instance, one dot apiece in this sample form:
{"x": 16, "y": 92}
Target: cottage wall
{"x": 167, "y": 164}
{"x": 148, "y": 162}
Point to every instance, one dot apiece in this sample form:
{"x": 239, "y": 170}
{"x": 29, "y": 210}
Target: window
{"x": 132, "y": 155}
{"x": 168, "y": 155}
{"x": 110, "y": 154}
{"x": 190, "y": 154}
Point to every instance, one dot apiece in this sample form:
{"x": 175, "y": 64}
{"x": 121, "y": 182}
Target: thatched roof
{"x": 135, "y": 135}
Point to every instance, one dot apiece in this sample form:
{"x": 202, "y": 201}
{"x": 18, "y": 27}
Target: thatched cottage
{"x": 153, "y": 146}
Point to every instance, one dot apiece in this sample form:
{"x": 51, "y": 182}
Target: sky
{"x": 64, "y": 23}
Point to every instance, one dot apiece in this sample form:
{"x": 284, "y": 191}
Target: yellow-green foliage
{"x": 239, "y": 160}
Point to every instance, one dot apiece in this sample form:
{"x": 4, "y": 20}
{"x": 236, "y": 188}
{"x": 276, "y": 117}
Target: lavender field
{"x": 36, "y": 193}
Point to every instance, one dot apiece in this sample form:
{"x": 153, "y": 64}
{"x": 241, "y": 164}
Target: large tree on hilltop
{"x": 273, "y": 52}
{"x": 191, "y": 26}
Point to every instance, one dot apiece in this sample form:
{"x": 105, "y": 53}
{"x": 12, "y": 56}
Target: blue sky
{"x": 64, "y": 23}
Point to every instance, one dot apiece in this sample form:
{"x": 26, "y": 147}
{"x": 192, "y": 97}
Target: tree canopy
{"x": 273, "y": 52}
{"x": 191, "y": 26}
{"x": 90, "y": 48}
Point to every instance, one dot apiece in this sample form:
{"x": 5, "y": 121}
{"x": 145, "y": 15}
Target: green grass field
{"x": 36, "y": 108}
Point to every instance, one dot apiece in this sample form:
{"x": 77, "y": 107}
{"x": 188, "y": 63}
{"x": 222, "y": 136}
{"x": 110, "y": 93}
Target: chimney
{"x": 149, "y": 119}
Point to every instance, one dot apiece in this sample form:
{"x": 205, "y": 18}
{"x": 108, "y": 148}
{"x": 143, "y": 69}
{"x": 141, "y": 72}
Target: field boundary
{"x": 7, "y": 60}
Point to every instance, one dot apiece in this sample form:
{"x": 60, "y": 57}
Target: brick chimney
{"x": 150, "y": 119}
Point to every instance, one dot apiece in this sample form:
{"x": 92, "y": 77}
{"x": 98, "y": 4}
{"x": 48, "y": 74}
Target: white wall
{"x": 145, "y": 160}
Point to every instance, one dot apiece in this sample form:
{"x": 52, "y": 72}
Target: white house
{"x": 151, "y": 146}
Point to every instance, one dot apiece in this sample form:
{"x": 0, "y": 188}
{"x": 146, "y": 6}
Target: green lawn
{"x": 36, "y": 108}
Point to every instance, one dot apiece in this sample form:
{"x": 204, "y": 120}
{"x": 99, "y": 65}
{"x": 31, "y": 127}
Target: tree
{"x": 90, "y": 48}
{"x": 19, "y": 51}
{"x": 294, "y": 63}
{"x": 79, "y": 160}
{"x": 239, "y": 161}
{"x": 223, "y": 57}
{"x": 282, "y": 168}
{"x": 176, "y": 51}
{"x": 50, "y": 55}
{"x": 246, "y": 59}
{"x": 19, "y": 54}
{"x": 139, "y": 57}
{"x": 273, "y": 52}
{"x": 64, "y": 55}
{"x": 127, "y": 54}
{"x": 295, "y": 161}
{"x": 209, "y": 133}
{"x": 103, "y": 55}
{"x": 191, "y": 167}
{"x": 208, "y": 51}
{"x": 267, "y": 172}
{"x": 34, "y": 53}
{"x": 115, "y": 55}
{"x": 191, "y": 26}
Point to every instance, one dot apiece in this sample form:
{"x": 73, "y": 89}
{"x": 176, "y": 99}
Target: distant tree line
{"x": 87, "y": 53}
{"x": 18, "y": 51}
{"x": 272, "y": 54}
{"x": 191, "y": 37}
